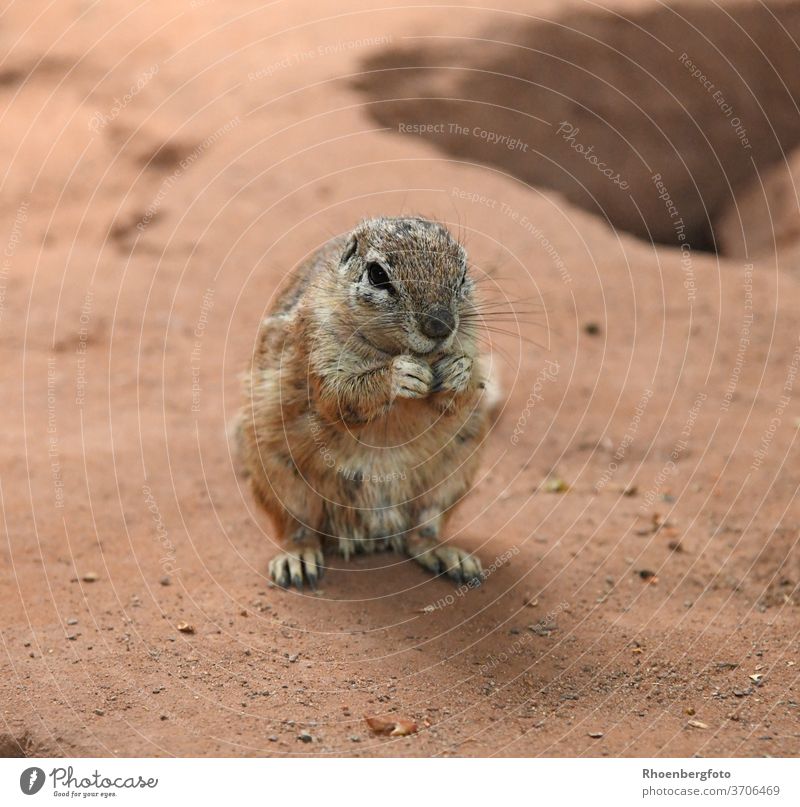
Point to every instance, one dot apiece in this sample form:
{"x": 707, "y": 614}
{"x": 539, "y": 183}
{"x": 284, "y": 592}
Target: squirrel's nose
{"x": 438, "y": 324}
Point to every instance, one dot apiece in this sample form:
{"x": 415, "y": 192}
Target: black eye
{"x": 378, "y": 277}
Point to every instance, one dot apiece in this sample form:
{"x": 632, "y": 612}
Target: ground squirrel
{"x": 366, "y": 402}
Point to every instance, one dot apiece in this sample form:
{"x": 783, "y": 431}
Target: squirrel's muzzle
{"x": 438, "y": 324}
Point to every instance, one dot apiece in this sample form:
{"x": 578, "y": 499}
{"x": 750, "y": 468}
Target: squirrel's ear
{"x": 349, "y": 250}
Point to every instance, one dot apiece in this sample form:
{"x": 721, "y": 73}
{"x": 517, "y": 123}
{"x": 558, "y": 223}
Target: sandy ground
{"x": 165, "y": 164}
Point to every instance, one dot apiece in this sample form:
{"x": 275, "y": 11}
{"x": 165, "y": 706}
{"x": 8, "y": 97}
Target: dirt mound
{"x": 765, "y": 215}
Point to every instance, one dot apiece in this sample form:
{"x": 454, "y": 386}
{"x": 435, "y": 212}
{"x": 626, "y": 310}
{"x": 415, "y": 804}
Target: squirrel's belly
{"x": 376, "y": 477}
{"x": 376, "y": 482}
{"x": 370, "y": 495}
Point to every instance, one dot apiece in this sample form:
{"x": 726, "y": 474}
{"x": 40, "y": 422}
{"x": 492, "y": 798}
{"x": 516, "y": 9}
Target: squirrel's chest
{"x": 405, "y": 438}
{"x": 409, "y": 427}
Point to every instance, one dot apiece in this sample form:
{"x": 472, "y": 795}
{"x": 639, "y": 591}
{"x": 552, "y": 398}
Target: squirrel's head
{"x": 408, "y": 284}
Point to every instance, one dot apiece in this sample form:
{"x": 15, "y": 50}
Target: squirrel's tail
{"x": 236, "y": 442}
{"x": 493, "y": 388}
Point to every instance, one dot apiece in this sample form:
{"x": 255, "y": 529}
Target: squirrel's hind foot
{"x": 456, "y": 563}
{"x": 303, "y": 566}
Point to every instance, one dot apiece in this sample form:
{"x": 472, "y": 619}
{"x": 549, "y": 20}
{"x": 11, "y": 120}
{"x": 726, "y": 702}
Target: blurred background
{"x": 623, "y": 176}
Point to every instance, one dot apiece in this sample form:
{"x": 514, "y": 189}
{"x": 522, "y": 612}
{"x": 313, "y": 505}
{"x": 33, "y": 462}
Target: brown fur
{"x": 358, "y": 430}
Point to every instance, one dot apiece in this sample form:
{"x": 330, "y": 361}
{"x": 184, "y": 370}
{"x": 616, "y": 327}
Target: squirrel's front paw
{"x": 411, "y": 378}
{"x": 452, "y": 373}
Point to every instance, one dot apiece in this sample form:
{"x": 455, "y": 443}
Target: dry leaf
{"x": 556, "y": 485}
{"x": 391, "y": 727}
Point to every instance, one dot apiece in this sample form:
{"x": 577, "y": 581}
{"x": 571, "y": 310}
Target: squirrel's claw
{"x": 303, "y": 567}
{"x": 452, "y": 373}
{"x": 458, "y": 564}
{"x": 411, "y": 378}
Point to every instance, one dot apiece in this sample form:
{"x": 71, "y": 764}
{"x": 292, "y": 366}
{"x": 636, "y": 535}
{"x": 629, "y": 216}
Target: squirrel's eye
{"x": 378, "y": 277}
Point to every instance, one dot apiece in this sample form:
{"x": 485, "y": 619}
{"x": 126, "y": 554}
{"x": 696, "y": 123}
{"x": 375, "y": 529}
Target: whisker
{"x": 505, "y": 320}
{"x": 505, "y": 309}
{"x": 512, "y": 314}
{"x": 504, "y": 316}
{"x": 501, "y": 331}
{"x": 506, "y": 302}
{"x": 539, "y": 325}
{"x": 493, "y": 348}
